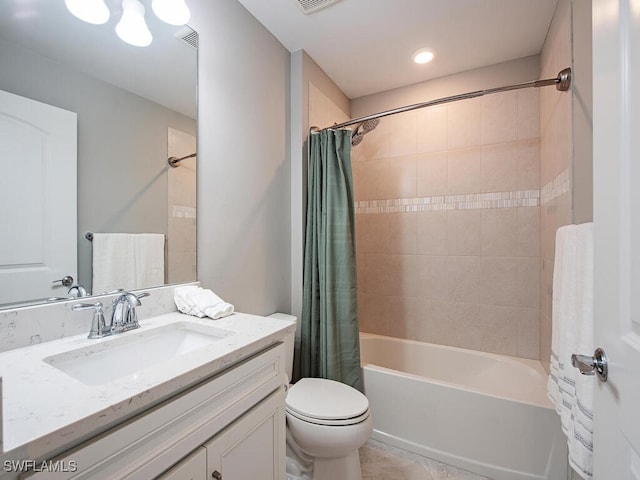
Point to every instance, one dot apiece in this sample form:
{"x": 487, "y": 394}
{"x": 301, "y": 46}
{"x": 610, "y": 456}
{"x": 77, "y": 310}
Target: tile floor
{"x": 384, "y": 462}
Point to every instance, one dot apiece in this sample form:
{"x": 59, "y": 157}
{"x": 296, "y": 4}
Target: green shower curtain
{"x": 329, "y": 335}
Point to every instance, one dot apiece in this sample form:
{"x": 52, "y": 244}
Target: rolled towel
{"x": 219, "y": 310}
{"x": 184, "y": 302}
{"x": 201, "y": 302}
{"x": 209, "y": 303}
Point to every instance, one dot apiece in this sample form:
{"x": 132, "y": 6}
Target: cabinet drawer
{"x": 194, "y": 467}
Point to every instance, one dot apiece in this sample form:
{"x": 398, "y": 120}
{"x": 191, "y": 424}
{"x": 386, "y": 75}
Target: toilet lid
{"x": 323, "y": 399}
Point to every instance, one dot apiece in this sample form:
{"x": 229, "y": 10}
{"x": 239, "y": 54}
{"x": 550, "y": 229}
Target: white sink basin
{"x": 129, "y": 353}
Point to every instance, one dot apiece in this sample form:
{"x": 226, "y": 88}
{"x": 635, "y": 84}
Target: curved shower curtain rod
{"x": 175, "y": 161}
{"x": 562, "y": 83}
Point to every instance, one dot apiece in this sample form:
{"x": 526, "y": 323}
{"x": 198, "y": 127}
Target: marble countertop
{"x": 45, "y": 410}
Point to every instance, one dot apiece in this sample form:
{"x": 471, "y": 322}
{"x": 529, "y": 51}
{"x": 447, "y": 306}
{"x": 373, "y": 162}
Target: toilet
{"x": 327, "y": 422}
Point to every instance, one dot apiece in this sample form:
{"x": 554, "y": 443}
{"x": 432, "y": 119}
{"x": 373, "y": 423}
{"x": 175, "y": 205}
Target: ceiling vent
{"x": 312, "y": 6}
{"x": 188, "y": 36}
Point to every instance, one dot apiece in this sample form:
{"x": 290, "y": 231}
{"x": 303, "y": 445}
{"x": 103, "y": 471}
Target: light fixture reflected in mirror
{"x": 132, "y": 28}
{"x": 90, "y": 11}
{"x": 173, "y": 12}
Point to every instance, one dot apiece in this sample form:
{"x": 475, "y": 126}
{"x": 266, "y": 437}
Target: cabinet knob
{"x": 217, "y": 475}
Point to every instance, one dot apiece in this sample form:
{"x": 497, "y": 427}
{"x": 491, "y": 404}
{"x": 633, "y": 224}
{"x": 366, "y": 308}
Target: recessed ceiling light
{"x": 424, "y": 55}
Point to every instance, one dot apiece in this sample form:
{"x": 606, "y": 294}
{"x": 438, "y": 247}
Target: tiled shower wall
{"x": 555, "y": 161}
{"x": 448, "y": 224}
{"x": 181, "y": 198}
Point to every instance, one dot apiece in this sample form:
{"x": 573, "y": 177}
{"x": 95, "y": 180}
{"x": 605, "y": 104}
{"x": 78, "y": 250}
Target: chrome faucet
{"x": 123, "y": 315}
{"x": 78, "y": 291}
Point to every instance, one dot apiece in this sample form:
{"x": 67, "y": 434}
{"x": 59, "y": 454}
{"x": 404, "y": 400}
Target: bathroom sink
{"x": 129, "y": 353}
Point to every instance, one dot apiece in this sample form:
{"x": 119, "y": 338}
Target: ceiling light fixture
{"x": 132, "y": 28}
{"x": 424, "y": 55}
{"x": 90, "y": 11}
{"x": 173, "y": 12}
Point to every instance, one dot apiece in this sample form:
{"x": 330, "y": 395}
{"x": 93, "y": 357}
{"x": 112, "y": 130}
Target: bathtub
{"x": 485, "y": 413}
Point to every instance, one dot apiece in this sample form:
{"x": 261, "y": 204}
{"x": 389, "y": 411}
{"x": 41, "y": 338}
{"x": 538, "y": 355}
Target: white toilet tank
{"x": 289, "y": 341}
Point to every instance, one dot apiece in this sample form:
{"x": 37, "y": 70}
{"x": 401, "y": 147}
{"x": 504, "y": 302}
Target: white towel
{"x": 200, "y": 302}
{"x": 572, "y": 332}
{"x": 127, "y": 260}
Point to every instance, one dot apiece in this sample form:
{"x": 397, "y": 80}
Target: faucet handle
{"x": 142, "y": 295}
{"x": 78, "y": 307}
{"x": 98, "y": 326}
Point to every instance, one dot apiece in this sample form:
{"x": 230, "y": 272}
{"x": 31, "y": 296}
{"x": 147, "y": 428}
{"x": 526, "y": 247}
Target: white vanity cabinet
{"x": 232, "y": 423}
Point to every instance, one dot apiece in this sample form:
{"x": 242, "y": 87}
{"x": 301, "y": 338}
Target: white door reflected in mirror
{"x": 38, "y": 215}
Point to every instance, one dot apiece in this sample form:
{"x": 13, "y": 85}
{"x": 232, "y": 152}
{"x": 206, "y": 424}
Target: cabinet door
{"x": 194, "y": 467}
{"x": 253, "y": 447}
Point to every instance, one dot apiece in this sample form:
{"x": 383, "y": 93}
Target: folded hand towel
{"x": 183, "y": 302}
{"x": 200, "y": 302}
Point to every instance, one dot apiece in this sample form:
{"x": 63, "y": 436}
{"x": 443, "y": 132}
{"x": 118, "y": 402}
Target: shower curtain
{"x": 329, "y": 335}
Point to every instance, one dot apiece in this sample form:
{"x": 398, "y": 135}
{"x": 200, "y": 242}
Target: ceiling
{"x": 365, "y": 46}
{"x": 164, "y": 72}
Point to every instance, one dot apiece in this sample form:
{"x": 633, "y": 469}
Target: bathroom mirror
{"x": 135, "y": 107}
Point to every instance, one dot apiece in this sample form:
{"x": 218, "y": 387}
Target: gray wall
{"x": 122, "y": 145}
{"x": 244, "y": 212}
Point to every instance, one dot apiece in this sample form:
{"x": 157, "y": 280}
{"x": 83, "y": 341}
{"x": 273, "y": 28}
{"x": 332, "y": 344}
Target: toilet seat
{"x": 329, "y": 422}
{"x": 326, "y": 402}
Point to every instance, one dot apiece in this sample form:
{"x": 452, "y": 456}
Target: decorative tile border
{"x": 183, "y": 212}
{"x": 520, "y": 198}
{"x": 556, "y": 187}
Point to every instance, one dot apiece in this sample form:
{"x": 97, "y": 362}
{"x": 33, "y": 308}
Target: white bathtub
{"x": 485, "y": 413}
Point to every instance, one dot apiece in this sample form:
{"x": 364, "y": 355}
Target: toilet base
{"x": 295, "y": 474}
{"x": 344, "y": 468}
{"x": 299, "y": 465}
